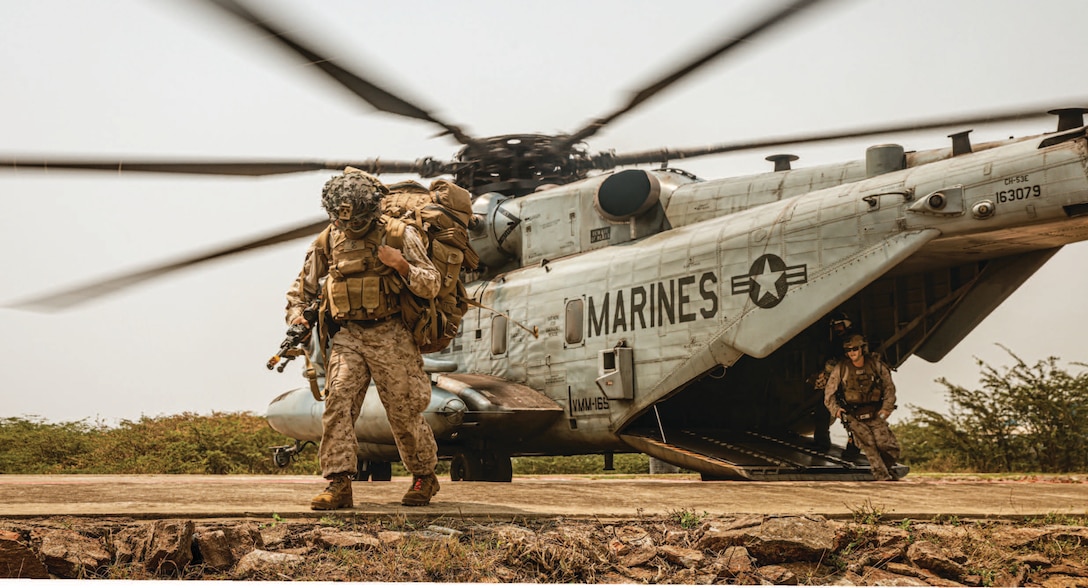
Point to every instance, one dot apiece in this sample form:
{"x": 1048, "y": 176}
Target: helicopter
{"x": 671, "y": 181}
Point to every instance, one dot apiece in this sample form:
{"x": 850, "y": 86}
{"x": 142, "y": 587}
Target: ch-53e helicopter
{"x": 654, "y": 311}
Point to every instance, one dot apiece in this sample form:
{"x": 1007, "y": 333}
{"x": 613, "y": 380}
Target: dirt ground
{"x": 921, "y": 531}
{"x": 916, "y": 497}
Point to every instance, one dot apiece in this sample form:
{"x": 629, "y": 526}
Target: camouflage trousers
{"x": 875, "y": 439}
{"x": 385, "y": 352}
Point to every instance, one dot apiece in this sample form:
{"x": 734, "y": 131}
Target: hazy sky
{"x": 143, "y": 79}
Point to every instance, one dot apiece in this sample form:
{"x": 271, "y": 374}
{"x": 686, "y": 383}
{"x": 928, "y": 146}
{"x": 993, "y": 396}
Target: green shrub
{"x": 1026, "y": 418}
{"x": 33, "y": 446}
{"x": 220, "y": 443}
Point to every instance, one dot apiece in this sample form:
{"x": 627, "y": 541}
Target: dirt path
{"x": 535, "y": 497}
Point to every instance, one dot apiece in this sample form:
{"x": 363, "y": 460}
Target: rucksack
{"x": 441, "y": 215}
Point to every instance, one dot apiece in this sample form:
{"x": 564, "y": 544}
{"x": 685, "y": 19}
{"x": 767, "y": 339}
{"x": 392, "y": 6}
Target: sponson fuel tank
{"x": 297, "y": 415}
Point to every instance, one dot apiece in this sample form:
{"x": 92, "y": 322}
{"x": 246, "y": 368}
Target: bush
{"x": 222, "y": 443}
{"x": 33, "y": 446}
{"x": 1025, "y": 418}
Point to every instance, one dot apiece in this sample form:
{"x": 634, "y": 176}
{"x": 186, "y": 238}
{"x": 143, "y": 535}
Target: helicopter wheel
{"x": 378, "y": 471}
{"x": 466, "y": 466}
{"x": 381, "y": 471}
{"x": 470, "y": 466}
{"x": 281, "y": 457}
{"x": 498, "y": 468}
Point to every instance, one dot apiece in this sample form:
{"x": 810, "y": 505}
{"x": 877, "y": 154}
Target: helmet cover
{"x": 855, "y": 341}
{"x": 353, "y": 200}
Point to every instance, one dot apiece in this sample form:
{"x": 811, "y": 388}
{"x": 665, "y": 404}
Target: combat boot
{"x": 336, "y": 495}
{"x": 423, "y": 488}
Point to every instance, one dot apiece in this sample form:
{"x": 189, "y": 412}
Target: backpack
{"x": 441, "y": 216}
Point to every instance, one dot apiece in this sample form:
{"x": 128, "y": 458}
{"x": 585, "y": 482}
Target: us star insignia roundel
{"x": 768, "y": 280}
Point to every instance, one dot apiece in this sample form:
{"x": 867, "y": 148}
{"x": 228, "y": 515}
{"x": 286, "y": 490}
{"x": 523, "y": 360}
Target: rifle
{"x": 297, "y": 337}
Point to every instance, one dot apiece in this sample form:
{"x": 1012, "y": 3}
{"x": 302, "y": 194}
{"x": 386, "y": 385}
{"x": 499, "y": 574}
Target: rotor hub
{"x": 518, "y": 164}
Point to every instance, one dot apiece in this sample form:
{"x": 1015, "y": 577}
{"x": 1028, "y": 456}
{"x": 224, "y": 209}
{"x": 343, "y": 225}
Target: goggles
{"x": 348, "y": 219}
{"x": 356, "y": 225}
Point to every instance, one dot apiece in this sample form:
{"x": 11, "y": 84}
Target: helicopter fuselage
{"x": 610, "y": 318}
{"x": 744, "y": 282}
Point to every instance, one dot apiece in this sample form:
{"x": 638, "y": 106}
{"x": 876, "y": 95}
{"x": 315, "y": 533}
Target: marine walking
{"x": 860, "y": 392}
{"x": 362, "y": 280}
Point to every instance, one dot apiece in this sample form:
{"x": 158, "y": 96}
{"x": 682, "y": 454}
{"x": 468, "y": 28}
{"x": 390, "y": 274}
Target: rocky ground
{"x": 685, "y": 547}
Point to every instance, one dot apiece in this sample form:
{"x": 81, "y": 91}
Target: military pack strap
{"x": 454, "y": 237}
{"x": 322, "y": 241}
{"x": 394, "y": 232}
{"x": 878, "y": 362}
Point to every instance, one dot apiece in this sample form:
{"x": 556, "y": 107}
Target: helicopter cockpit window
{"x": 572, "y": 328}
{"x": 498, "y": 335}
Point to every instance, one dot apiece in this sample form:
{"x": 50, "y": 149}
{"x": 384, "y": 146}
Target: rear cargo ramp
{"x": 730, "y": 455}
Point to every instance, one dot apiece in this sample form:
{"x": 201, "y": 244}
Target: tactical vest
{"x": 360, "y": 286}
{"x": 861, "y": 385}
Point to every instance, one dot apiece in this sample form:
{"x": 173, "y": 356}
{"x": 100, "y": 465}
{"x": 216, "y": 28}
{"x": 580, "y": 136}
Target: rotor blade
{"x": 373, "y": 94}
{"x": 610, "y": 160}
{"x": 425, "y": 167}
{"x": 731, "y": 41}
{"x": 87, "y": 292}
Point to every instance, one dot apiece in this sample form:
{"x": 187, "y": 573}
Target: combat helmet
{"x": 842, "y": 319}
{"x": 855, "y": 340}
{"x": 353, "y": 201}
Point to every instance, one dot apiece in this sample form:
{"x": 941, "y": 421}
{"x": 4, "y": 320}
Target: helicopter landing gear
{"x": 283, "y": 455}
{"x": 465, "y": 466}
{"x": 485, "y": 466}
{"x": 378, "y": 471}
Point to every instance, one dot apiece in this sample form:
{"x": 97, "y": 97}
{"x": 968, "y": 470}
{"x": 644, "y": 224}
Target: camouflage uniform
{"x": 383, "y": 350}
{"x": 870, "y": 431}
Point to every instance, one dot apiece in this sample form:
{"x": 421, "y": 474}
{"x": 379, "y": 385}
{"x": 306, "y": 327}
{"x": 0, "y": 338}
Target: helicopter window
{"x": 573, "y": 327}
{"x": 498, "y": 335}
